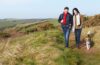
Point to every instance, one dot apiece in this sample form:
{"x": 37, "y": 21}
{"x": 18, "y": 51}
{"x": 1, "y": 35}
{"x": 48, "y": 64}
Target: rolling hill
{"x": 5, "y": 23}
{"x": 43, "y": 44}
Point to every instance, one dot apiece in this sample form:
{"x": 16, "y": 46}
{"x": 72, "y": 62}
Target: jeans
{"x": 77, "y": 36}
{"x": 66, "y": 31}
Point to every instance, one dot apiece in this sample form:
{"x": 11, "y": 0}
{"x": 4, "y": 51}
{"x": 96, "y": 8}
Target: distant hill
{"x": 4, "y": 23}
{"x": 88, "y": 21}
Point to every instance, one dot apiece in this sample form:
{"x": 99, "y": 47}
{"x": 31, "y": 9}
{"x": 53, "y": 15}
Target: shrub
{"x": 4, "y": 35}
{"x": 37, "y": 27}
{"x": 45, "y": 26}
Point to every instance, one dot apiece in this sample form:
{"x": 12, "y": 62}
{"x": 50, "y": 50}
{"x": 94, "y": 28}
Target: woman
{"x": 77, "y": 26}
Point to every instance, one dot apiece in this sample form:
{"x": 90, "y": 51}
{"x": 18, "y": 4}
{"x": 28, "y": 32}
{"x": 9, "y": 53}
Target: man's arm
{"x": 60, "y": 18}
{"x": 71, "y": 20}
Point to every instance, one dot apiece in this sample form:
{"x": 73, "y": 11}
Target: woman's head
{"x": 75, "y": 11}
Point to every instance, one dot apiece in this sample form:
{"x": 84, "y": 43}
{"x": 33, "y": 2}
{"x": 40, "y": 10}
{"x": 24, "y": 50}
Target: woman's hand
{"x": 73, "y": 29}
{"x": 79, "y": 25}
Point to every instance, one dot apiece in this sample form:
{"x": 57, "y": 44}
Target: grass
{"x": 47, "y": 48}
{"x": 33, "y": 47}
{"x": 53, "y": 21}
{"x": 6, "y": 23}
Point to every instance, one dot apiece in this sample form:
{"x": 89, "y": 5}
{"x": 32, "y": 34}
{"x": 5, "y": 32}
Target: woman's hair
{"x": 76, "y": 10}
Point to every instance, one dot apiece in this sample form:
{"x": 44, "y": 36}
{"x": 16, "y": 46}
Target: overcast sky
{"x": 45, "y": 8}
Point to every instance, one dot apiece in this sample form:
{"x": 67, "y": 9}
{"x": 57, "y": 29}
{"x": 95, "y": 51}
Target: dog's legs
{"x": 88, "y": 46}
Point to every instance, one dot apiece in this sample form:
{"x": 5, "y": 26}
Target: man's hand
{"x": 61, "y": 21}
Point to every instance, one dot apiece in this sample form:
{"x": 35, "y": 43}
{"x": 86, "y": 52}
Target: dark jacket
{"x": 69, "y": 19}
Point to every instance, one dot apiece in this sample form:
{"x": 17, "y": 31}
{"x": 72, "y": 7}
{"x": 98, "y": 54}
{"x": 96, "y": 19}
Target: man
{"x": 66, "y": 21}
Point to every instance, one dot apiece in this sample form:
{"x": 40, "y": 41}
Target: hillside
{"x": 43, "y": 44}
{"x": 89, "y": 21}
{"x": 5, "y": 23}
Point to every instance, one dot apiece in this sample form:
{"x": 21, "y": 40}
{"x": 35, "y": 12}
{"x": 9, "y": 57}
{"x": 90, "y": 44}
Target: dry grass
{"x": 47, "y": 48}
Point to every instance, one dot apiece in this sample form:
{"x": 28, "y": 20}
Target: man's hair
{"x": 66, "y": 8}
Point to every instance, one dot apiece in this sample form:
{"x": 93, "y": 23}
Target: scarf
{"x": 65, "y": 19}
{"x": 76, "y": 21}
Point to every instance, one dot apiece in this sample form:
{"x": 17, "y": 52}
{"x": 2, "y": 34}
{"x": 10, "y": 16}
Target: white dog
{"x": 88, "y": 40}
{"x": 88, "y": 43}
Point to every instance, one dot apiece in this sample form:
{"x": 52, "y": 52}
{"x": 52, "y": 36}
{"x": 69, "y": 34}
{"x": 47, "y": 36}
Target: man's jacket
{"x": 69, "y": 19}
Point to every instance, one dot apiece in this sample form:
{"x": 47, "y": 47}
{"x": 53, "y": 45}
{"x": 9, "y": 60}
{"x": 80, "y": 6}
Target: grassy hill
{"x": 43, "y": 44}
{"x": 91, "y": 21}
{"x": 5, "y": 23}
{"x": 88, "y": 21}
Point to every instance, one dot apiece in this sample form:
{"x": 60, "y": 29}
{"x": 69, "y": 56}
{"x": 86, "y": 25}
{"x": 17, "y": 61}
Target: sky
{"x": 45, "y": 8}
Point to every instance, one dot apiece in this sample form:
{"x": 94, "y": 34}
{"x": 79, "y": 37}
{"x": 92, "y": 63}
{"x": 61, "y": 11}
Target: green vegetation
{"x": 33, "y": 27}
{"x": 44, "y": 45}
{"x": 4, "y": 35}
{"x": 39, "y": 48}
{"x": 4, "y": 23}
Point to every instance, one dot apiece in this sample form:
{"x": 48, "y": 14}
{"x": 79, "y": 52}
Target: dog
{"x": 88, "y": 43}
{"x": 88, "y": 40}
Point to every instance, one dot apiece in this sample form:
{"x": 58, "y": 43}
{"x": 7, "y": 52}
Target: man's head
{"x": 66, "y": 9}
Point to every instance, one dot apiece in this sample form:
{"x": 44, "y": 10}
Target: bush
{"x": 45, "y": 26}
{"x": 4, "y": 35}
{"x": 37, "y": 27}
{"x": 91, "y": 21}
